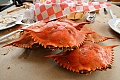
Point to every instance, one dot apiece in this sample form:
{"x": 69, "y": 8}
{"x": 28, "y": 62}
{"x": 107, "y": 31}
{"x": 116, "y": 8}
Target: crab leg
{"x": 85, "y": 59}
{"x": 25, "y": 41}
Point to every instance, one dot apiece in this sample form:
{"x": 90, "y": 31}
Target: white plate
{"x": 6, "y": 27}
{"x": 113, "y": 24}
{"x": 8, "y": 18}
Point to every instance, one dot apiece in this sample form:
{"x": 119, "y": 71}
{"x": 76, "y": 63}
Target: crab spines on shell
{"x": 81, "y": 53}
{"x": 94, "y": 36}
{"x": 87, "y": 58}
{"x": 52, "y": 35}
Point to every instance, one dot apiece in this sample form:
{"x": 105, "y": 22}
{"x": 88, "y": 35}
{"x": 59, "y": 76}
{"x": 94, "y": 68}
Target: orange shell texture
{"x": 93, "y": 37}
{"x": 83, "y": 55}
{"x": 85, "y": 59}
{"x": 57, "y": 34}
{"x": 25, "y": 40}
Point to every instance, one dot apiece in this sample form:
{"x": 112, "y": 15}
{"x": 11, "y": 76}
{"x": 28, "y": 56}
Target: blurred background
{"x": 7, "y": 3}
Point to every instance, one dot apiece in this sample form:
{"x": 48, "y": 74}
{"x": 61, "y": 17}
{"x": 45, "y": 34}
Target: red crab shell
{"x": 51, "y": 35}
{"x": 93, "y": 37}
{"x": 86, "y": 58}
{"x": 57, "y": 34}
{"x": 83, "y": 54}
{"x": 25, "y": 40}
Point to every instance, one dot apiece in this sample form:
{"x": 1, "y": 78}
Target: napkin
{"x": 53, "y": 9}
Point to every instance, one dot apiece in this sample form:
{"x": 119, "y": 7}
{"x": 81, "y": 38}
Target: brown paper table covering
{"x": 13, "y": 66}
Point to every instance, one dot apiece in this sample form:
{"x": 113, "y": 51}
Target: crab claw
{"x": 78, "y": 26}
{"x": 52, "y": 35}
{"x": 112, "y": 46}
{"x": 95, "y": 37}
{"x": 25, "y": 41}
{"x": 85, "y": 59}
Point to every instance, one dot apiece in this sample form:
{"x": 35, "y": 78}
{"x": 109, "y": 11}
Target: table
{"x": 15, "y": 65}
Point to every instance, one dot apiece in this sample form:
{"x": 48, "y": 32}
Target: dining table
{"x": 21, "y": 64}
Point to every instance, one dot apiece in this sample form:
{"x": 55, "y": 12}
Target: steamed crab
{"x": 81, "y": 53}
